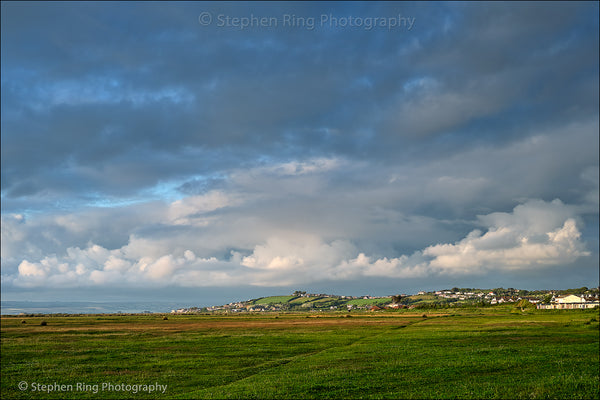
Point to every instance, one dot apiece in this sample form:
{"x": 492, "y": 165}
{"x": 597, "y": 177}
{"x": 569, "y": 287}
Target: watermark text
{"x": 292, "y": 21}
{"x": 95, "y": 388}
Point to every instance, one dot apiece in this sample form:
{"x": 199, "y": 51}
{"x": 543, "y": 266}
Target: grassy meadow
{"x": 498, "y": 352}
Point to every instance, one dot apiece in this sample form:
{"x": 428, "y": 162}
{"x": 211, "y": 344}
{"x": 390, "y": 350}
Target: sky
{"x": 211, "y": 152}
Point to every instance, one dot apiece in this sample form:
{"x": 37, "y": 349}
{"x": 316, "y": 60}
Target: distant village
{"x": 580, "y": 298}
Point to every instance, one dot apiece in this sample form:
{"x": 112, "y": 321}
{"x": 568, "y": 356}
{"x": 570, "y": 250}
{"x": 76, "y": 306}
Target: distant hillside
{"x": 304, "y": 301}
{"x": 455, "y": 297}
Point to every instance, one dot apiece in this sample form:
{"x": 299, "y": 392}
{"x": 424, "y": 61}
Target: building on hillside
{"x": 570, "y": 302}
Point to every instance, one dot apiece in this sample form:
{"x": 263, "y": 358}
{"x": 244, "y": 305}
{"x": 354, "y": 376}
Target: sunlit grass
{"x": 484, "y": 353}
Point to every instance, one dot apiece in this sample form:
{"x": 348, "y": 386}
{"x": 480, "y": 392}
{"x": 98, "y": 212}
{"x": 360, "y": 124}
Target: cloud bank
{"x": 534, "y": 235}
{"x": 142, "y": 149}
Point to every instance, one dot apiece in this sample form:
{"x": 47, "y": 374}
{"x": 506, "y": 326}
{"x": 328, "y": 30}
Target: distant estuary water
{"x": 59, "y": 307}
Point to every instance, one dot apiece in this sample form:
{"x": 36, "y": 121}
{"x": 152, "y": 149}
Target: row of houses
{"x": 570, "y": 302}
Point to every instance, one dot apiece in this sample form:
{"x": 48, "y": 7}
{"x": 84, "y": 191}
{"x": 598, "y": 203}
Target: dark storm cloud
{"x": 258, "y": 146}
{"x": 148, "y": 77}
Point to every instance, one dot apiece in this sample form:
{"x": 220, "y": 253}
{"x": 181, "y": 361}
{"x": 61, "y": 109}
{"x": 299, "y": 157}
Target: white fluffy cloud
{"x": 535, "y": 234}
{"x": 305, "y": 231}
{"x": 507, "y": 248}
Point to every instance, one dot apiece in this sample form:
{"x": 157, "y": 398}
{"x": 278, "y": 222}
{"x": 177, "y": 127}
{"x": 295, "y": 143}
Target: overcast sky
{"x": 213, "y": 151}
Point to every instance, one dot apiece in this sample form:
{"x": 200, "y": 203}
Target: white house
{"x": 570, "y": 299}
{"x": 570, "y": 302}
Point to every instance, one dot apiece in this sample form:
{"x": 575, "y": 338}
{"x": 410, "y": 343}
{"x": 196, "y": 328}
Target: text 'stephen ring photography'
{"x": 293, "y": 21}
{"x": 108, "y": 387}
{"x": 299, "y": 200}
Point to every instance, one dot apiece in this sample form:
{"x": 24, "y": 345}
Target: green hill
{"x": 273, "y": 300}
{"x": 455, "y": 297}
{"x": 316, "y": 302}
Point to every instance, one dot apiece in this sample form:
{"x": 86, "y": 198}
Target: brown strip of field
{"x": 173, "y": 324}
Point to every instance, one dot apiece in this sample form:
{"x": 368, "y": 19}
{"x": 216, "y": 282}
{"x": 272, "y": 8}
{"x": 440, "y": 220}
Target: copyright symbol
{"x": 205, "y": 18}
{"x": 23, "y": 385}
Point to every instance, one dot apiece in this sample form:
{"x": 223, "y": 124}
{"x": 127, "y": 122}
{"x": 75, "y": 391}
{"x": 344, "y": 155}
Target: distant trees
{"x": 396, "y": 299}
{"x": 505, "y": 292}
{"x": 580, "y": 290}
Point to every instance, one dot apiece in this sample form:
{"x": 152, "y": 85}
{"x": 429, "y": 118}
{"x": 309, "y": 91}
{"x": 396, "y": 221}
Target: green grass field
{"x": 486, "y": 353}
{"x": 365, "y": 302}
{"x": 301, "y": 300}
{"x": 274, "y": 300}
